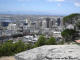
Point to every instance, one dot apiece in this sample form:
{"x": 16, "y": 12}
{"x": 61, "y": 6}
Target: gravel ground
{"x": 7, "y": 58}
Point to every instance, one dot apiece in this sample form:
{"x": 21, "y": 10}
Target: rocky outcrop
{"x": 51, "y": 52}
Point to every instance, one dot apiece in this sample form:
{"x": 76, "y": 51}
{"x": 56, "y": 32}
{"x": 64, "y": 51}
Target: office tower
{"x": 44, "y": 24}
{"x": 58, "y": 21}
{"x": 48, "y": 22}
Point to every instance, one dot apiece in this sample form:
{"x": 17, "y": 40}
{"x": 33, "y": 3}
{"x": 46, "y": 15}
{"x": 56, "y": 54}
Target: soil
{"x": 7, "y": 58}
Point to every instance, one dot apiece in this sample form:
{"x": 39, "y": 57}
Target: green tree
{"x": 29, "y": 46}
{"x": 41, "y": 41}
{"x": 9, "y": 48}
{"x": 70, "y": 18}
{"x": 19, "y": 46}
{"x": 51, "y": 41}
{"x": 78, "y": 24}
{"x": 61, "y": 42}
{"x": 68, "y": 35}
{"x": 6, "y": 49}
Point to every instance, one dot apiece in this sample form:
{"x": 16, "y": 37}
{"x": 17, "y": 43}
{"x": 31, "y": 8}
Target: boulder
{"x": 51, "y": 52}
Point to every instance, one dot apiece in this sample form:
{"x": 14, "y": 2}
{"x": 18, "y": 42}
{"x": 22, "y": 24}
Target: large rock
{"x": 51, "y": 52}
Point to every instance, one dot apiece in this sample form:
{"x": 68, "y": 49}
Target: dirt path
{"x": 7, "y": 58}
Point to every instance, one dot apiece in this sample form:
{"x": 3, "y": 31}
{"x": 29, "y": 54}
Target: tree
{"x": 41, "y": 41}
{"x": 61, "y": 42}
{"x": 19, "y": 46}
{"x": 70, "y": 18}
{"x": 7, "y": 49}
{"x": 51, "y": 41}
{"x": 78, "y": 24}
{"x": 29, "y": 46}
{"x": 68, "y": 35}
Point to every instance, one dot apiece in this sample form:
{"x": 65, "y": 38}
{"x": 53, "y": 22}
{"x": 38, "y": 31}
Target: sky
{"x": 42, "y": 7}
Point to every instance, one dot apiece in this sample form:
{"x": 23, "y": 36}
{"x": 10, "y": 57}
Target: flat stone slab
{"x": 51, "y": 52}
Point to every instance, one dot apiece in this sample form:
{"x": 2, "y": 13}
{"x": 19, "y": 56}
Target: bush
{"x": 69, "y": 35}
{"x": 61, "y": 42}
{"x": 29, "y": 46}
{"x": 9, "y": 48}
{"x": 19, "y": 46}
{"x": 6, "y": 49}
{"x": 51, "y": 41}
{"x": 41, "y": 41}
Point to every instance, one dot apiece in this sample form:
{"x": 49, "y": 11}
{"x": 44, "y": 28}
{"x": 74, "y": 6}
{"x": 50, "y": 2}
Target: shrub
{"x": 9, "y": 48}
{"x": 61, "y": 42}
{"x": 29, "y": 46}
{"x": 6, "y": 49}
{"x": 41, "y": 41}
{"x": 19, "y": 46}
{"x": 51, "y": 41}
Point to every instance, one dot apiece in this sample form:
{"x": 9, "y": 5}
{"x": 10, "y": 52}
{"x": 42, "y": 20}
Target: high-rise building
{"x": 44, "y": 24}
{"x": 48, "y": 22}
{"x": 58, "y": 21}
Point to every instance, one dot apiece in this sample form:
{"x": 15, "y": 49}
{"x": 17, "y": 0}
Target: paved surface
{"x": 51, "y": 52}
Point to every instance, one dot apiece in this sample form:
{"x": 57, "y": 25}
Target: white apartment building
{"x": 12, "y": 26}
{"x": 44, "y": 24}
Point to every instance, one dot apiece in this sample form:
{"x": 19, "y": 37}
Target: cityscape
{"x": 31, "y": 31}
{"x": 40, "y": 30}
{"x": 30, "y": 26}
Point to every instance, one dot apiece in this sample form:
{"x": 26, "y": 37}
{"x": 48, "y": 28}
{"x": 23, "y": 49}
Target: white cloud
{"x": 55, "y": 0}
{"x": 77, "y": 4}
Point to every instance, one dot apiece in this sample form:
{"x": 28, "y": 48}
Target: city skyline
{"x": 40, "y": 7}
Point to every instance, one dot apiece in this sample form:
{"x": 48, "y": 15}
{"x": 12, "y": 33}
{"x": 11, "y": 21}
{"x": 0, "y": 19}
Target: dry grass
{"x": 8, "y": 58}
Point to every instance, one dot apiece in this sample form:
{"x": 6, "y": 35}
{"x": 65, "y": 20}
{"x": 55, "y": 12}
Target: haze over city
{"x": 40, "y": 7}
